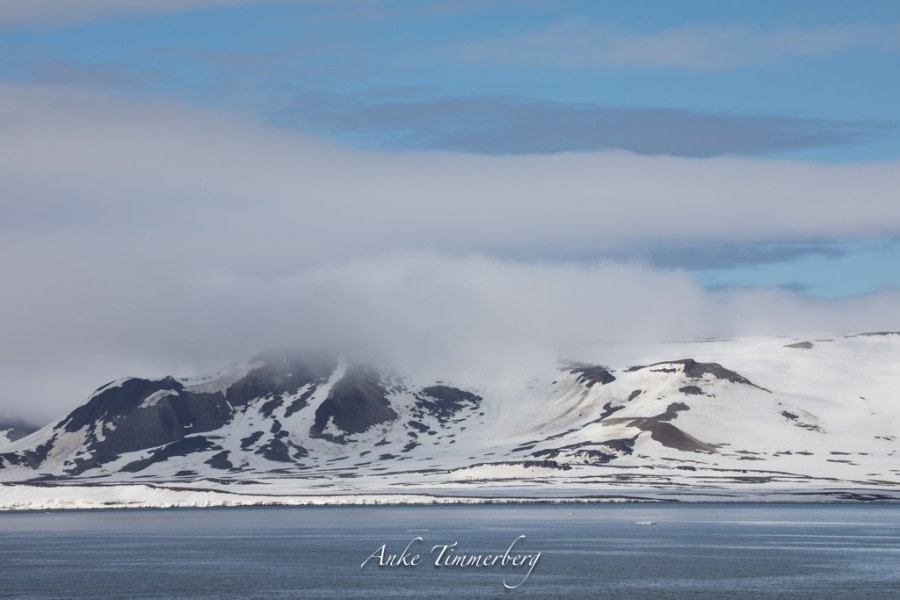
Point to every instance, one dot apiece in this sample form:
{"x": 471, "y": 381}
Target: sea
{"x": 546, "y": 552}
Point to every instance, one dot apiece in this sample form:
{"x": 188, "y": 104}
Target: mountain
{"x": 14, "y": 429}
{"x": 765, "y": 417}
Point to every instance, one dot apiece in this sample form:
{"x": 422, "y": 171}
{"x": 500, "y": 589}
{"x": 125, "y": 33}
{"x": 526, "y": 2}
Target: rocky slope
{"x": 719, "y": 419}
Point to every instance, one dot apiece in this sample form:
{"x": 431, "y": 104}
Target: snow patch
{"x": 221, "y": 380}
{"x": 155, "y": 397}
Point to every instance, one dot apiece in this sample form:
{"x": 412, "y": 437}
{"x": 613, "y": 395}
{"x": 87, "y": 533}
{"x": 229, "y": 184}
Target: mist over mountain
{"x": 731, "y": 417}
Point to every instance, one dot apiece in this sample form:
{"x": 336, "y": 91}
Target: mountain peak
{"x": 323, "y": 422}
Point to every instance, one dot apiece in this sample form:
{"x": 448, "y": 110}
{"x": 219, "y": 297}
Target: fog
{"x": 148, "y": 238}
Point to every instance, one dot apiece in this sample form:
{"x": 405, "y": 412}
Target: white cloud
{"x": 76, "y": 321}
{"x": 579, "y": 44}
{"x": 143, "y": 238}
{"x": 172, "y": 180}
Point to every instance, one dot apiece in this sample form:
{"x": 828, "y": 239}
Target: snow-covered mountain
{"x": 720, "y": 418}
{"x": 12, "y": 430}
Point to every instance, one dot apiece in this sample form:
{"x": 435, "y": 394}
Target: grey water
{"x": 694, "y": 551}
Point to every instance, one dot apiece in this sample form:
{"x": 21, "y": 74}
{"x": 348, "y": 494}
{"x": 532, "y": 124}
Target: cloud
{"x": 144, "y": 238}
{"x": 13, "y": 12}
{"x": 92, "y": 318}
{"x": 100, "y": 167}
{"x": 577, "y": 44}
{"x": 508, "y": 125}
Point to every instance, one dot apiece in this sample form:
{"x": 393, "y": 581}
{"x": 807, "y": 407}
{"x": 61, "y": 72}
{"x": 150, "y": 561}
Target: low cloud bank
{"x": 145, "y": 238}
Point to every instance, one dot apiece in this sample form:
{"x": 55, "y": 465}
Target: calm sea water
{"x": 588, "y": 551}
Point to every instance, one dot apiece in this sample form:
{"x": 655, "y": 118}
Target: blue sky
{"x": 169, "y": 167}
{"x": 812, "y": 81}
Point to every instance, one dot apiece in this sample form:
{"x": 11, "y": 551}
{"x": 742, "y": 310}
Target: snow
{"x": 98, "y": 431}
{"x": 155, "y": 397}
{"x": 117, "y": 383}
{"x": 500, "y": 471}
{"x": 221, "y": 380}
{"x": 331, "y": 429}
{"x": 841, "y": 441}
{"x": 16, "y": 497}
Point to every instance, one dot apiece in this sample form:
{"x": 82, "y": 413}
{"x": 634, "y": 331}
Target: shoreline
{"x": 17, "y": 497}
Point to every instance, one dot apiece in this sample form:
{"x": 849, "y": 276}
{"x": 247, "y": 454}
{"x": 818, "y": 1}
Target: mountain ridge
{"x": 767, "y": 413}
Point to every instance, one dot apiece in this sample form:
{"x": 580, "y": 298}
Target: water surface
{"x": 587, "y": 551}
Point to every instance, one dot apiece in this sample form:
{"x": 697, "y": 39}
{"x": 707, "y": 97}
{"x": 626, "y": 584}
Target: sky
{"x": 186, "y": 183}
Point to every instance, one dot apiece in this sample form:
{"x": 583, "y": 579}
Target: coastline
{"x": 19, "y": 497}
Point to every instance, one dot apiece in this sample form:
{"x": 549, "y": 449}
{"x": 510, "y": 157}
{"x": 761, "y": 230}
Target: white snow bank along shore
{"x": 72, "y": 497}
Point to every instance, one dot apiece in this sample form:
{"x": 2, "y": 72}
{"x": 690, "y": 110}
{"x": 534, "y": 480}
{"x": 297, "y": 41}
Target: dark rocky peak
{"x": 696, "y": 370}
{"x": 117, "y": 399}
{"x": 354, "y": 404}
{"x": 281, "y": 372}
{"x": 135, "y": 414}
{"x": 592, "y": 374}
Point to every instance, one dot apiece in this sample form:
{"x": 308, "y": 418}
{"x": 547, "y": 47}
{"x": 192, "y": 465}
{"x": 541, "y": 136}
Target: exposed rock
{"x": 691, "y": 390}
{"x": 671, "y": 437}
{"x": 220, "y": 461}
{"x": 418, "y": 426}
{"x": 444, "y": 402}
{"x": 251, "y": 439}
{"x": 27, "y": 458}
{"x": 300, "y": 402}
{"x": 275, "y": 450}
{"x": 182, "y": 447}
{"x": 591, "y": 452}
{"x": 672, "y": 411}
{"x": 800, "y": 345}
{"x": 609, "y": 409}
{"x": 874, "y": 333}
{"x": 140, "y": 413}
{"x": 281, "y": 372}
{"x": 355, "y": 403}
{"x": 269, "y": 407}
{"x": 694, "y": 370}
{"x": 590, "y": 375}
